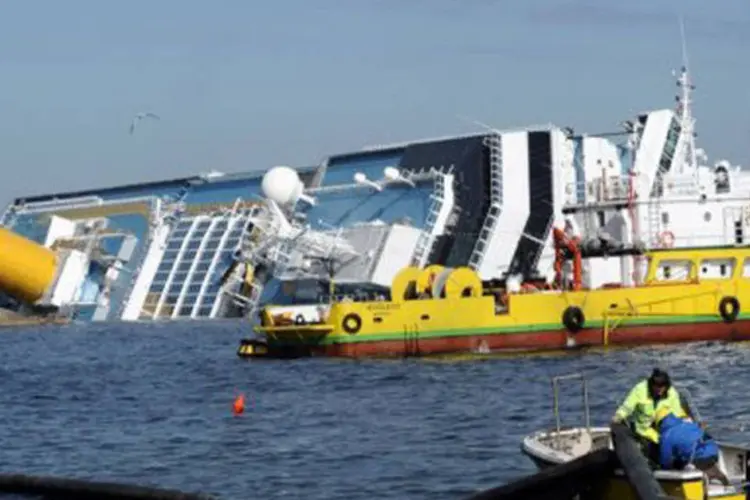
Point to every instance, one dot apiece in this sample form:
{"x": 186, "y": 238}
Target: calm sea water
{"x": 151, "y": 404}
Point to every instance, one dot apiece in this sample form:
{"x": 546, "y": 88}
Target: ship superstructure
{"x": 663, "y": 193}
{"x": 217, "y": 245}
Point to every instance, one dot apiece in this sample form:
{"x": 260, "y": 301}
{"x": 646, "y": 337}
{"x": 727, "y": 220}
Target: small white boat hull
{"x": 550, "y": 448}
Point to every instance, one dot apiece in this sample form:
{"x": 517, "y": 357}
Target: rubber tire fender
{"x": 573, "y": 319}
{"x": 729, "y": 309}
{"x": 351, "y": 323}
{"x": 299, "y": 320}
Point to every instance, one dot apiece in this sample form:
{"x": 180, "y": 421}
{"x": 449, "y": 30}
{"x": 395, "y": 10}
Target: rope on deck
{"x": 78, "y": 488}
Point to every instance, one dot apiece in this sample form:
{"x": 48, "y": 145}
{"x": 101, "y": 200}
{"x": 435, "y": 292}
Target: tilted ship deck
{"x": 214, "y": 246}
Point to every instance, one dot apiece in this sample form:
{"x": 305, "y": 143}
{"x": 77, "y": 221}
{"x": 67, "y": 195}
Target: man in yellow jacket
{"x": 640, "y": 407}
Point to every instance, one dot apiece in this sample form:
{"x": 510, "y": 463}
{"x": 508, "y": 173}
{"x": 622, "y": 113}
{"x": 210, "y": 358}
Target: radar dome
{"x": 391, "y": 173}
{"x": 282, "y": 185}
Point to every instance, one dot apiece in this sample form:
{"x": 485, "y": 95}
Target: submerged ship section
{"x": 218, "y": 245}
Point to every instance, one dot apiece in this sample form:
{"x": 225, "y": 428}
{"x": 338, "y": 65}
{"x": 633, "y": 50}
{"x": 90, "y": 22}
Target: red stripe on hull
{"x": 550, "y": 340}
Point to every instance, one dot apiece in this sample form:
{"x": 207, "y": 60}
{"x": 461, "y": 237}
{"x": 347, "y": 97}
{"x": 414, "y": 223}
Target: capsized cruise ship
{"x": 218, "y": 245}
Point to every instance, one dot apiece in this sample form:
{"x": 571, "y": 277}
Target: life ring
{"x": 729, "y": 309}
{"x": 666, "y": 239}
{"x": 573, "y": 319}
{"x": 299, "y": 320}
{"x": 351, "y": 323}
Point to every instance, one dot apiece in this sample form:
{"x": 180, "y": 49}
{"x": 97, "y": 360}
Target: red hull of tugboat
{"x": 552, "y": 340}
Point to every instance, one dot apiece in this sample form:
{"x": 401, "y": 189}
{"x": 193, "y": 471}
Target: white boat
{"x": 560, "y": 445}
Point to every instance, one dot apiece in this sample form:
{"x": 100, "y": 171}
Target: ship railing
{"x": 607, "y": 189}
{"x": 681, "y": 185}
{"x": 613, "y": 318}
{"x": 617, "y": 188}
{"x": 556, "y": 398}
{"x": 61, "y": 202}
{"x": 682, "y": 240}
{"x": 38, "y": 207}
{"x": 494, "y": 144}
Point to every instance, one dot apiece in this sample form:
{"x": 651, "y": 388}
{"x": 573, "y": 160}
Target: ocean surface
{"x": 151, "y": 405}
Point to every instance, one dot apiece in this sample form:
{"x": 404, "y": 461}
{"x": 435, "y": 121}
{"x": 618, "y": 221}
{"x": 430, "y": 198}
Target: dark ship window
{"x": 721, "y": 180}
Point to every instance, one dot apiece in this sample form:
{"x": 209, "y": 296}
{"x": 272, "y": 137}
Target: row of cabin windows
{"x": 708, "y": 269}
{"x": 665, "y": 217}
{"x": 673, "y": 136}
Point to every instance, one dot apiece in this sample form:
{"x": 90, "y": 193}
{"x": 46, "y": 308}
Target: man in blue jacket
{"x": 682, "y": 442}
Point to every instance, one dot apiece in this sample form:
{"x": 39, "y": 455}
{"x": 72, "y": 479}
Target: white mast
{"x": 684, "y": 110}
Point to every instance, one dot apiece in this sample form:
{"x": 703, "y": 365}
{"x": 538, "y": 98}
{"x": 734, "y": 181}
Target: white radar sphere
{"x": 391, "y": 173}
{"x": 282, "y": 185}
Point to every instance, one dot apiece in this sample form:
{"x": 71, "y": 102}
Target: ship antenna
{"x": 684, "y": 106}
{"x": 476, "y": 122}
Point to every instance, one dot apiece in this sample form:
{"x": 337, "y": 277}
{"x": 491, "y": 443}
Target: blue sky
{"x": 244, "y": 85}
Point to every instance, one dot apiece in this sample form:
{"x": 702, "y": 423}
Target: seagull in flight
{"x": 138, "y": 117}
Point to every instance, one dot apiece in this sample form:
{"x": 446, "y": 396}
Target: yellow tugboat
{"x": 693, "y": 294}
{"x": 563, "y": 445}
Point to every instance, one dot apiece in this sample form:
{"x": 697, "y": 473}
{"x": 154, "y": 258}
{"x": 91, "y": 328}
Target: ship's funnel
{"x": 27, "y": 269}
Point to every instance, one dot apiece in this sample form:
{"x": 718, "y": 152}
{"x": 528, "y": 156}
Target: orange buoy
{"x": 239, "y": 405}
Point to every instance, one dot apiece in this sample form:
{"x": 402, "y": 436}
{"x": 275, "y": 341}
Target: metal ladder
{"x": 496, "y": 201}
{"x": 654, "y": 221}
{"x": 422, "y": 246}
